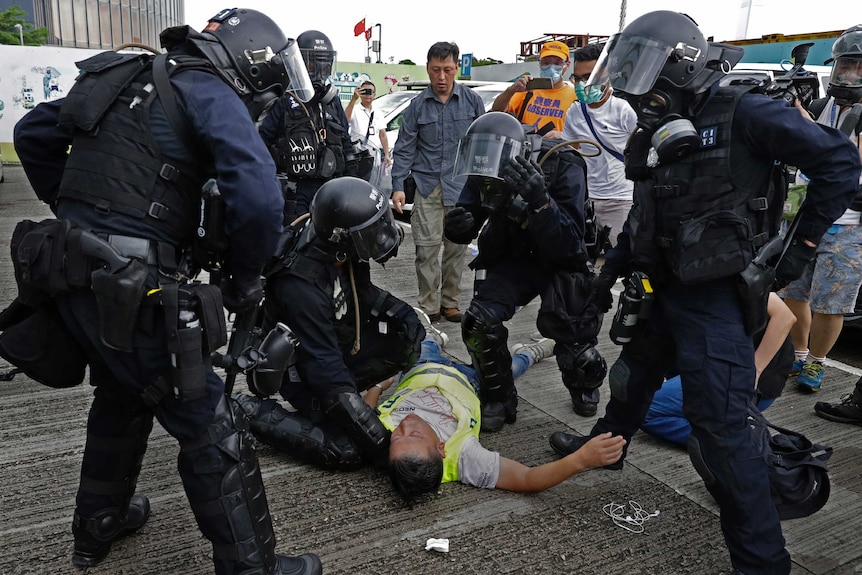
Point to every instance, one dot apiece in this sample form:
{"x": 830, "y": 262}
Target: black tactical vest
{"x": 115, "y": 164}
{"x": 705, "y": 215}
{"x": 307, "y": 131}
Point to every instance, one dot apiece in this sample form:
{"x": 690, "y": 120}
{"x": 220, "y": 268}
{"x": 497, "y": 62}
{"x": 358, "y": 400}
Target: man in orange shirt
{"x": 541, "y": 106}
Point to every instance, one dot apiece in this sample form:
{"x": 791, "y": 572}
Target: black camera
{"x": 366, "y": 91}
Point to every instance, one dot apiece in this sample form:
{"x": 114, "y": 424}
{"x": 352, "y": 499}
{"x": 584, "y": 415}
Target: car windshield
{"x": 389, "y": 102}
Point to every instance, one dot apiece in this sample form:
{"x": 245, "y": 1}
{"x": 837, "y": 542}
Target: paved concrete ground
{"x": 356, "y": 523}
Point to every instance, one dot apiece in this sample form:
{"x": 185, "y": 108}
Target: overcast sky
{"x": 408, "y": 28}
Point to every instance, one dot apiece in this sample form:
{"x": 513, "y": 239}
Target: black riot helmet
{"x": 353, "y": 216}
{"x": 659, "y": 63}
{"x": 491, "y": 141}
{"x": 252, "y": 55}
{"x": 319, "y": 56}
{"x": 845, "y": 81}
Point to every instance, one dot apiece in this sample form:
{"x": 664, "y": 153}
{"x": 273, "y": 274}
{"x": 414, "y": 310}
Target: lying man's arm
{"x": 597, "y": 452}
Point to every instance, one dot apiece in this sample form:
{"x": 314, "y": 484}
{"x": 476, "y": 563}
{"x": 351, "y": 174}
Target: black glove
{"x": 241, "y": 295}
{"x": 636, "y": 153}
{"x": 458, "y": 225}
{"x": 527, "y": 178}
{"x": 798, "y": 255}
{"x": 600, "y": 292}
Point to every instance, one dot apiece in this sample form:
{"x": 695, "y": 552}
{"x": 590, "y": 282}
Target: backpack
{"x": 798, "y": 478}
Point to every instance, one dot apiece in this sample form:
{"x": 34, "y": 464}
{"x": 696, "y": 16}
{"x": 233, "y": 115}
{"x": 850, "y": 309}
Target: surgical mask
{"x": 551, "y": 71}
{"x": 588, "y": 94}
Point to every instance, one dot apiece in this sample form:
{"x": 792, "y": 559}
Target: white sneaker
{"x": 542, "y": 349}
{"x": 441, "y": 338}
{"x": 537, "y": 336}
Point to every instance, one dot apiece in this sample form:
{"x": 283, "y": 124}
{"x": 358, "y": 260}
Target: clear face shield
{"x": 377, "y": 239}
{"x": 320, "y": 65}
{"x": 290, "y": 58}
{"x": 485, "y": 155}
{"x": 630, "y": 64}
{"x": 847, "y": 72}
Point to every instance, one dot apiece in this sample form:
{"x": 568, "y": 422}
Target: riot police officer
{"x": 145, "y": 133}
{"x": 351, "y": 334}
{"x": 310, "y": 141}
{"x": 702, "y": 162}
{"x": 532, "y": 245}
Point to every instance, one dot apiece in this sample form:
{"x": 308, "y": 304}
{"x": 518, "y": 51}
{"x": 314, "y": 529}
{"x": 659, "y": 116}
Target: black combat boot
{"x": 566, "y": 443}
{"x": 94, "y": 535}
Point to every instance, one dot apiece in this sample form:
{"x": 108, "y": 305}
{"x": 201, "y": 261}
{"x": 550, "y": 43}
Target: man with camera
{"x": 367, "y": 130}
{"x": 537, "y": 101}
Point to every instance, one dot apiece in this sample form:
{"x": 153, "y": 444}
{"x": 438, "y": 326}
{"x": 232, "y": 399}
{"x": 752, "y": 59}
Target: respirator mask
{"x": 673, "y": 135}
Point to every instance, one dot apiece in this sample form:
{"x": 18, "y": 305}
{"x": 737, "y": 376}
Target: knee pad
{"x": 618, "y": 380}
{"x": 582, "y": 366}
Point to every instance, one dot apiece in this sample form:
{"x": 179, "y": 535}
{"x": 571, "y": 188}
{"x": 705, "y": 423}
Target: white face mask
{"x": 551, "y": 71}
{"x": 588, "y": 94}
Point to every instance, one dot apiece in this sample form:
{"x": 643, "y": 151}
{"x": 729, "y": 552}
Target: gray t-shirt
{"x": 477, "y": 466}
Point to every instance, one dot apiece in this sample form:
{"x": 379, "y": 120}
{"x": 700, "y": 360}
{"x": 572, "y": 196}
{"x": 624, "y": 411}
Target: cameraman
{"x": 367, "y": 129}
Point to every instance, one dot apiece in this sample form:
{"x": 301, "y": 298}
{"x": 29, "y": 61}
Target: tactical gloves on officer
{"x": 601, "y": 299}
{"x": 798, "y": 255}
{"x": 527, "y": 179}
{"x": 458, "y": 225}
{"x": 241, "y": 295}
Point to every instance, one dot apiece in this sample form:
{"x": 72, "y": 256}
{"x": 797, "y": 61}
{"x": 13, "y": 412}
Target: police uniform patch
{"x": 708, "y": 136}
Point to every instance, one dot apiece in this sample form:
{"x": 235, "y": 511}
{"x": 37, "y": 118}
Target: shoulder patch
{"x": 708, "y": 136}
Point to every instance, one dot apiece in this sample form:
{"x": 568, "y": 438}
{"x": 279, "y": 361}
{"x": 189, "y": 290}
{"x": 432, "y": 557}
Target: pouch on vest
{"x": 35, "y": 340}
{"x": 712, "y": 246}
{"x": 119, "y": 296}
{"x": 38, "y": 258}
{"x": 563, "y": 303}
{"x": 103, "y": 79}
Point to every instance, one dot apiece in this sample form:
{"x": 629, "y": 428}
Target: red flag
{"x": 359, "y": 28}
{"x": 368, "y": 33}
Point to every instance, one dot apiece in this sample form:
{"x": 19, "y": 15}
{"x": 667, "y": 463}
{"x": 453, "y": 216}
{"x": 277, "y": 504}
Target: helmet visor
{"x": 377, "y": 238}
{"x": 299, "y": 82}
{"x": 630, "y": 63}
{"x": 320, "y": 64}
{"x": 847, "y": 72}
{"x": 485, "y": 154}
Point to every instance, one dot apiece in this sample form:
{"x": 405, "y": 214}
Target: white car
{"x": 392, "y": 107}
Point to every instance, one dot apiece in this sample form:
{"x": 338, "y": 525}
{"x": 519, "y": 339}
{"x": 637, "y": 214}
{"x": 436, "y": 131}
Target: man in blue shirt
{"x": 432, "y": 125}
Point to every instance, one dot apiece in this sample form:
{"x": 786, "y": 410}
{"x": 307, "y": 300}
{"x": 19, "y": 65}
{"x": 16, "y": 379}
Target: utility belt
{"x": 52, "y": 257}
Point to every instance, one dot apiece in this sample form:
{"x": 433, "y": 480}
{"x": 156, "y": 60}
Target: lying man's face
{"x": 414, "y": 435}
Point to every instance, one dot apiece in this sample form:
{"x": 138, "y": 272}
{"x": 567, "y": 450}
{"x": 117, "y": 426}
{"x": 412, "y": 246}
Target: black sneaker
{"x": 847, "y": 411}
{"x": 566, "y": 443}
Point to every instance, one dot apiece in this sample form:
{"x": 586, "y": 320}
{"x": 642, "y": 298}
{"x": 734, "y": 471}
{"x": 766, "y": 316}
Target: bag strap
{"x": 617, "y": 155}
{"x": 178, "y": 121}
{"x": 527, "y": 98}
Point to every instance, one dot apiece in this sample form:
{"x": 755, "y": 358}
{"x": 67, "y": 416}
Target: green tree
{"x": 407, "y": 62}
{"x": 485, "y": 61}
{"x": 9, "y": 34}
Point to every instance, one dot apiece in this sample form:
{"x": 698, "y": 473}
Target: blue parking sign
{"x": 466, "y": 63}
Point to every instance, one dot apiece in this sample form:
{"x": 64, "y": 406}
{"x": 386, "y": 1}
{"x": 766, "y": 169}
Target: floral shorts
{"x": 831, "y": 283}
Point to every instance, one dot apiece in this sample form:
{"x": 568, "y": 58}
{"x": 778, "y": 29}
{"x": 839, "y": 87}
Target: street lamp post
{"x": 20, "y": 32}
{"x": 379, "y": 41}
